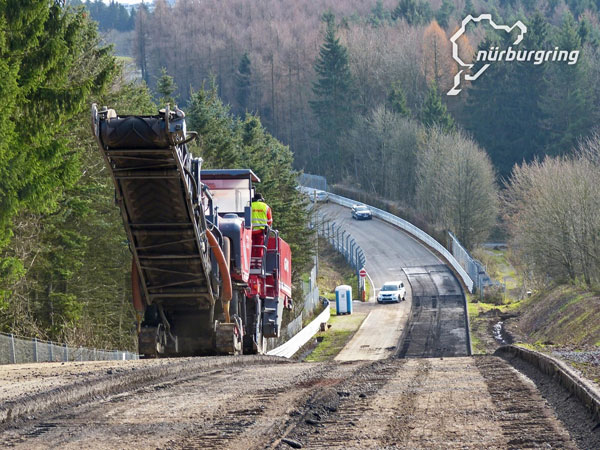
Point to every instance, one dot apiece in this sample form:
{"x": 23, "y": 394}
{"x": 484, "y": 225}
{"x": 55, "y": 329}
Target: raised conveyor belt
{"x": 158, "y": 197}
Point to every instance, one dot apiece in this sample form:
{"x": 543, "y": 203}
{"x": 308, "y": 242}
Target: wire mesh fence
{"x": 19, "y": 350}
{"x": 342, "y": 241}
{"x": 312, "y": 181}
{"x": 311, "y": 292}
{"x": 311, "y": 302}
{"x": 474, "y": 268}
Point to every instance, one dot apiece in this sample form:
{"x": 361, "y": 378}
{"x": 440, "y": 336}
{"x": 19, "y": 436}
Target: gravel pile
{"x": 588, "y": 357}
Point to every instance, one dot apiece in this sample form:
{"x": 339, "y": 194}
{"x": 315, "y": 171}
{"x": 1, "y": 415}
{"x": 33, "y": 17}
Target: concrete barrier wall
{"x": 581, "y": 388}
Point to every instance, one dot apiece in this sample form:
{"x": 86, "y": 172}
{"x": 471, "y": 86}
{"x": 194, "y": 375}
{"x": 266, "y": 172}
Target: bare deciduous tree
{"x": 455, "y": 185}
{"x": 553, "y": 212}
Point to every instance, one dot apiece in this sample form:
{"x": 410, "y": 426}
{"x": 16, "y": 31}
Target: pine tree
{"x": 444, "y": 13}
{"x": 379, "y": 15}
{"x": 469, "y": 8}
{"x": 52, "y": 63}
{"x": 438, "y": 64}
{"x": 333, "y": 102}
{"x": 165, "y": 87}
{"x": 434, "y": 112}
{"x": 229, "y": 142}
{"x": 212, "y": 120}
{"x": 242, "y": 83}
{"x": 397, "y": 100}
{"x": 141, "y": 44}
{"x": 510, "y": 93}
{"x": 44, "y": 83}
{"x": 567, "y": 105}
{"x": 415, "y": 12}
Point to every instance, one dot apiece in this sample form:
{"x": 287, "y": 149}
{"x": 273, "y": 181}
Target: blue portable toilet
{"x": 343, "y": 299}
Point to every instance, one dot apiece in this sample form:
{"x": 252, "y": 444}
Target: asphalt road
{"x": 431, "y": 322}
{"x": 388, "y": 249}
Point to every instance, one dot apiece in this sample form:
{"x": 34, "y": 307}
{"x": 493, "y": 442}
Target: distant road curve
{"x": 394, "y": 255}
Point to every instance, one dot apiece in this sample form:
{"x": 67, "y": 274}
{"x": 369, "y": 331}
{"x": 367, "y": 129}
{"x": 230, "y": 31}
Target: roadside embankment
{"x": 563, "y": 316}
{"x": 564, "y": 322}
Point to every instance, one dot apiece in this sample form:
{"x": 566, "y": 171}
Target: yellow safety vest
{"x": 259, "y": 215}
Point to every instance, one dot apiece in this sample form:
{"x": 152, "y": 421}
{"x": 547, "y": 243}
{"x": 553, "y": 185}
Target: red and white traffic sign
{"x": 362, "y": 272}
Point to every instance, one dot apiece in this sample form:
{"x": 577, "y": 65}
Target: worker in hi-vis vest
{"x": 261, "y": 213}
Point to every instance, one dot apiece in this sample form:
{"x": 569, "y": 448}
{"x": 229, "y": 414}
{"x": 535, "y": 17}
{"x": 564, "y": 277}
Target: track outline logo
{"x": 465, "y": 66}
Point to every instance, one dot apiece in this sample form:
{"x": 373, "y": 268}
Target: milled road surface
{"x": 432, "y": 319}
{"x": 438, "y": 325}
{"x": 395, "y": 403}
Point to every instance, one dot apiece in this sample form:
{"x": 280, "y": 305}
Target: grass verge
{"x": 335, "y": 271}
{"x": 335, "y": 338}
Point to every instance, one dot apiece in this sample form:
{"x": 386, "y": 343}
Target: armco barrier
{"x": 289, "y": 348}
{"x": 587, "y": 393}
{"x": 414, "y": 231}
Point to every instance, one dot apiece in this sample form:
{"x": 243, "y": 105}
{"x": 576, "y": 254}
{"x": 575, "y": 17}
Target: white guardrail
{"x": 412, "y": 230}
{"x": 289, "y": 348}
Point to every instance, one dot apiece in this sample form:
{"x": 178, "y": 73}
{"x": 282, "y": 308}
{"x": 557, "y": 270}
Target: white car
{"x": 319, "y": 196}
{"x": 392, "y": 291}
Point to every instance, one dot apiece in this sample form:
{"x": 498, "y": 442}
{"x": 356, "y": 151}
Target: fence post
{"x": 13, "y": 353}
{"x": 35, "y": 350}
{"x": 65, "y": 353}
{"x": 51, "y": 351}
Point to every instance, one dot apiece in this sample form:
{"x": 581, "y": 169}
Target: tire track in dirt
{"x": 525, "y": 418}
{"x": 51, "y": 397}
{"x": 252, "y": 427}
{"x": 344, "y": 416}
{"x": 232, "y": 407}
{"x": 461, "y": 402}
{"x": 400, "y": 420}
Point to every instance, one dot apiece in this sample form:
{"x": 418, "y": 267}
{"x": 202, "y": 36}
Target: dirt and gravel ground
{"x": 29, "y": 379}
{"x": 460, "y": 402}
{"x": 378, "y": 336}
{"x": 266, "y": 402}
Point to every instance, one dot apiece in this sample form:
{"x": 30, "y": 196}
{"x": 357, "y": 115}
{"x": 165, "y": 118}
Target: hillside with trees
{"x": 326, "y": 76}
{"x": 352, "y": 90}
{"x": 64, "y": 257}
